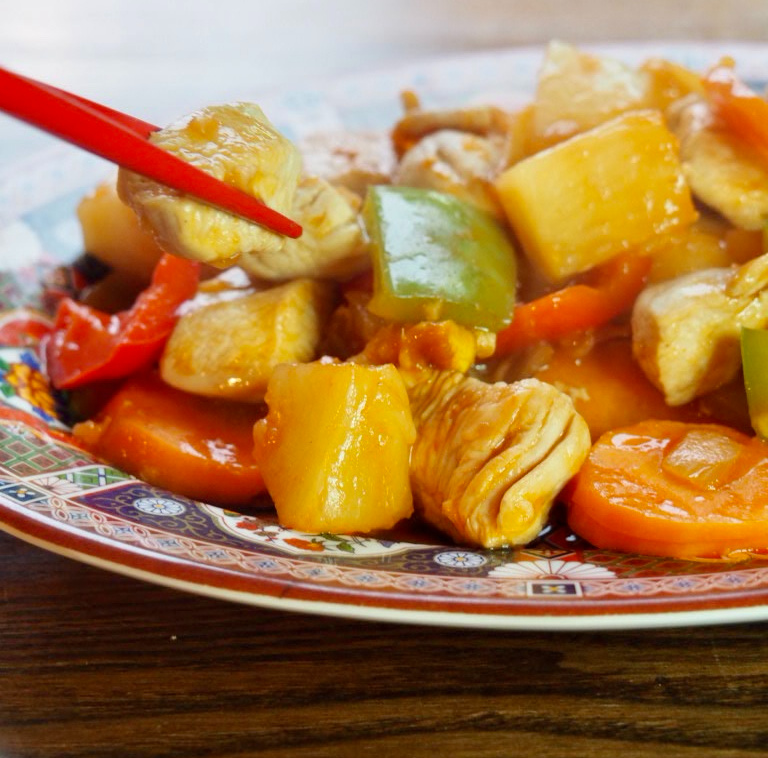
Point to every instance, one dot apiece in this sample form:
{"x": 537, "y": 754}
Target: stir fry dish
{"x": 489, "y": 311}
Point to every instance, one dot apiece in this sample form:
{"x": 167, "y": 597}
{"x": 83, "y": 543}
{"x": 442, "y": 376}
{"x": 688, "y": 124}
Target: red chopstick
{"x": 122, "y": 139}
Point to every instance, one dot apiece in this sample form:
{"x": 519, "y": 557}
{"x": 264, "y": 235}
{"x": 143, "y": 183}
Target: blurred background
{"x": 161, "y": 58}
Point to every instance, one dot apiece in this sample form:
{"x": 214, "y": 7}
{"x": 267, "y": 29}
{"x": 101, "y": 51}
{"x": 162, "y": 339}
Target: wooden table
{"x": 95, "y": 664}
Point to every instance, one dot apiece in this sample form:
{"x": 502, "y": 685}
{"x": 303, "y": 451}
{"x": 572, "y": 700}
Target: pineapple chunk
{"x": 598, "y": 194}
{"x": 701, "y": 245}
{"x": 334, "y": 448}
{"x": 577, "y": 91}
{"x": 237, "y": 144}
{"x": 111, "y": 232}
{"x": 669, "y": 82}
{"x": 228, "y": 348}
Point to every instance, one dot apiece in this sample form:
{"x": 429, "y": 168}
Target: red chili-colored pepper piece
{"x": 87, "y": 345}
{"x": 609, "y": 290}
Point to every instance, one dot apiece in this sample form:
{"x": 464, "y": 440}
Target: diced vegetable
{"x": 754, "y": 358}
{"x": 195, "y": 446}
{"x": 673, "y": 489}
{"x": 436, "y": 257}
{"x": 610, "y": 291}
{"x": 228, "y": 348}
{"x": 334, "y": 448}
{"x": 87, "y": 345}
{"x": 597, "y": 195}
{"x": 703, "y": 457}
{"x": 608, "y": 388}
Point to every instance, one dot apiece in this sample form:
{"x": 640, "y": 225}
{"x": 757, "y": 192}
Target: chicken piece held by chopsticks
{"x": 237, "y": 144}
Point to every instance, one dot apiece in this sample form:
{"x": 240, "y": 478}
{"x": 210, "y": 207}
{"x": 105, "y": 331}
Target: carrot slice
{"x": 675, "y": 489}
{"x": 609, "y": 290}
{"x": 608, "y": 387}
{"x": 194, "y": 446}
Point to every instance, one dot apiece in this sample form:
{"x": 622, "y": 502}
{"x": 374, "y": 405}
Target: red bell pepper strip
{"x": 88, "y": 345}
{"x": 610, "y": 290}
{"x": 741, "y": 109}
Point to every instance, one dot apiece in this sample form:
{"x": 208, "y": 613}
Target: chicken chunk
{"x": 417, "y": 122}
{"x": 455, "y": 162}
{"x": 722, "y": 171}
{"x": 353, "y": 160}
{"x": 237, "y": 144}
{"x": 332, "y": 245}
{"x": 228, "y": 346}
{"x": 490, "y": 459}
{"x": 685, "y": 331}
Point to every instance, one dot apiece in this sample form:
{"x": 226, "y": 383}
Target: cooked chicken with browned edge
{"x": 418, "y": 122}
{"x": 723, "y": 172}
{"x": 685, "y": 331}
{"x": 489, "y": 459}
{"x": 237, "y": 144}
{"x": 331, "y": 246}
{"x": 460, "y": 163}
{"x": 227, "y": 344}
{"x": 505, "y": 452}
{"x": 353, "y": 160}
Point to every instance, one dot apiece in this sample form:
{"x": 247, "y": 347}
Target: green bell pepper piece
{"x": 436, "y": 257}
{"x": 754, "y": 359}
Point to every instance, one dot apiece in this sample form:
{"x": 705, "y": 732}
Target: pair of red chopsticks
{"x": 122, "y": 139}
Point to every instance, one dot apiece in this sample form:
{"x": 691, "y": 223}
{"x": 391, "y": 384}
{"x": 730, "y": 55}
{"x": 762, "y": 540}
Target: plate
{"x": 54, "y": 495}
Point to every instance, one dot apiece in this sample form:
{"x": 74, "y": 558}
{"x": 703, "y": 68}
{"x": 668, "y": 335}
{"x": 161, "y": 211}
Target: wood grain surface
{"x": 99, "y": 665}
{"x": 95, "y": 664}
